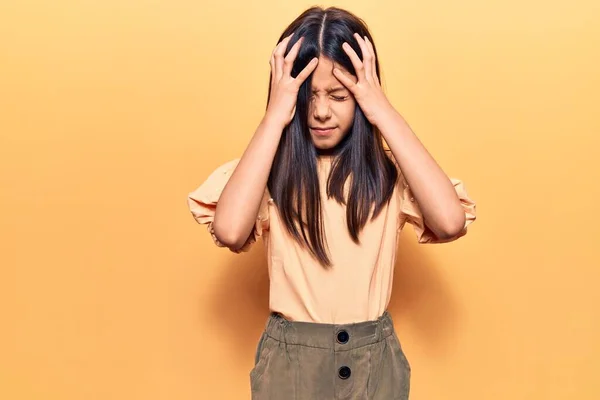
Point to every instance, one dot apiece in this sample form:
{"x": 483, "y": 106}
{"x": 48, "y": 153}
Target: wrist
{"x": 387, "y": 118}
{"x": 272, "y": 122}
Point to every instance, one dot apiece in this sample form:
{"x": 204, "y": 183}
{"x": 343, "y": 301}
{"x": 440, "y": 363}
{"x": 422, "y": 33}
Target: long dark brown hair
{"x": 293, "y": 181}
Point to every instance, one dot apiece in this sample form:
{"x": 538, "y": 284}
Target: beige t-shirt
{"x": 358, "y": 286}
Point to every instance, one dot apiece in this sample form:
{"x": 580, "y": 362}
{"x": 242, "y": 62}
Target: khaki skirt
{"x": 312, "y": 361}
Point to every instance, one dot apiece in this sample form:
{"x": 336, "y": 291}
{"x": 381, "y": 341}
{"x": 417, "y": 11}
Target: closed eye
{"x": 339, "y": 98}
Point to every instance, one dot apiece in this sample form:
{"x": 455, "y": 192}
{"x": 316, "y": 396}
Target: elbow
{"x": 452, "y": 228}
{"x": 227, "y": 235}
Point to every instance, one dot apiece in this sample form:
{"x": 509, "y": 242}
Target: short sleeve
{"x": 411, "y": 213}
{"x": 202, "y": 203}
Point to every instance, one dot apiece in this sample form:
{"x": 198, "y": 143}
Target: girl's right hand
{"x": 284, "y": 88}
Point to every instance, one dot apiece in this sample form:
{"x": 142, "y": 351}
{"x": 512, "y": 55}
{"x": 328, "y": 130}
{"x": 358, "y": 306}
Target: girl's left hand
{"x": 367, "y": 91}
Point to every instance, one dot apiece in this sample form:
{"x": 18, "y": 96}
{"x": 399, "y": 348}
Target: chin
{"x": 326, "y": 143}
{"x": 322, "y": 146}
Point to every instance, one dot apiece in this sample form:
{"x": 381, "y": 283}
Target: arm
{"x": 239, "y": 203}
{"x": 431, "y": 187}
{"x": 240, "y": 200}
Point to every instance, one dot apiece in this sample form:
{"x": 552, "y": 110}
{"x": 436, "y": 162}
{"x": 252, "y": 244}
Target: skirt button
{"x": 344, "y": 372}
{"x": 343, "y": 337}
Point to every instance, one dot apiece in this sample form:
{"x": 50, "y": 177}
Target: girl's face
{"x": 331, "y": 106}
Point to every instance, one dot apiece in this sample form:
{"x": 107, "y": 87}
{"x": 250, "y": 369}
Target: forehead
{"x": 323, "y": 78}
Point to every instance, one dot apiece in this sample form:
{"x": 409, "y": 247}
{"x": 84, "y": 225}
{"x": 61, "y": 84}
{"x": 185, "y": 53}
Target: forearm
{"x": 430, "y": 186}
{"x": 241, "y": 197}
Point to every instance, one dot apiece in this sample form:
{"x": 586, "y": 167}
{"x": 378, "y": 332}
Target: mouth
{"x": 325, "y": 131}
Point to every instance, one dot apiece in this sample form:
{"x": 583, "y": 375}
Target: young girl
{"x": 329, "y": 201}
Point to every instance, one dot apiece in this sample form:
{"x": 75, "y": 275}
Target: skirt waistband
{"x": 329, "y": 336}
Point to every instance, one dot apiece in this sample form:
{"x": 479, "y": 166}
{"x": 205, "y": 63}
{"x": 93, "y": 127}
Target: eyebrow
{"x": 332, "y": 90}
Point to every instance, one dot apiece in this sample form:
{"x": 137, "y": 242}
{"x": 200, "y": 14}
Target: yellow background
{"x": 112, "y": 111}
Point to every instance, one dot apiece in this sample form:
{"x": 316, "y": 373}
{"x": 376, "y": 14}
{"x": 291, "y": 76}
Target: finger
{"x": 274, "y": 74}
{"x": 272, "y": 60}
{"x": 272, "y": 64}
{"x": 367, "y": 58}
{"x": 288, "y": 62}
{"x": 279, "y": 44}
{"x": 373, "y": 61}
{"x": 345, "y": 80}
{"x": 306, "y": 71}
{"x": 278, "y": 55}
{"x": 358, "y": 65}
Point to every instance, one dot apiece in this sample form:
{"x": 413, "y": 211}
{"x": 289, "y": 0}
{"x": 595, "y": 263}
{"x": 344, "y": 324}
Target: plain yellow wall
{"x": 112, "y": 111}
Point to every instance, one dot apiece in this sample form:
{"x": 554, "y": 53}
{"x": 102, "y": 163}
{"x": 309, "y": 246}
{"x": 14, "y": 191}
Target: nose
{"x": 321, "y": 109}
